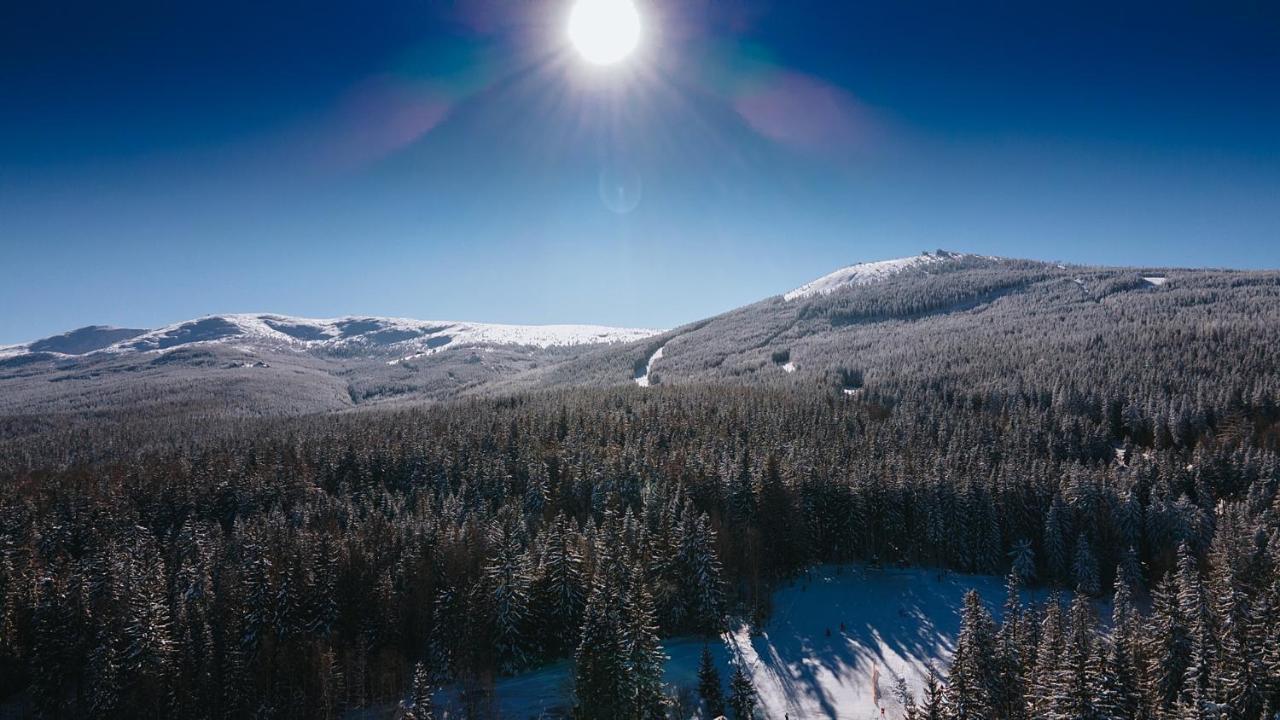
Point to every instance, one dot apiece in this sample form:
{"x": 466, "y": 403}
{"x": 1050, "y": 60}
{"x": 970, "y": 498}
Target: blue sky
{"x": 451, "y": 159}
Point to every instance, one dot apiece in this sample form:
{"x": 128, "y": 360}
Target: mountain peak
{"x": 866, "y": 273}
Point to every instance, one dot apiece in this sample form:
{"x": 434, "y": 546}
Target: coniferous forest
{"x": 304, "y": 567}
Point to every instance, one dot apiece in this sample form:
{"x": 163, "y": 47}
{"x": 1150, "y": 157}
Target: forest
{"x": 304, "y": 567}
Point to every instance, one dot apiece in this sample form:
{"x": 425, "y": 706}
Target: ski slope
{"x": 643, "y": 380}
{"x": 832, "y": 635}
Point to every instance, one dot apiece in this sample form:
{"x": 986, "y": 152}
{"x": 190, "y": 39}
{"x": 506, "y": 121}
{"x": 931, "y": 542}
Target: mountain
{"x": 259, "y": 364}
{"x": 963, "y": 321}
{"x": 874, "y": 326}
{"x": 350, "y": 336}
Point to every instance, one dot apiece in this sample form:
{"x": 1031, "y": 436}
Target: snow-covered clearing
{"x": 1156, "y": 280}
{"x": 831, "y": 633}
{"x": 643, "y": 380}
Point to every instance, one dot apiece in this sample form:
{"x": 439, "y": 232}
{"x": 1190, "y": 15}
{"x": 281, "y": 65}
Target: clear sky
{"x": 456, "y": 159}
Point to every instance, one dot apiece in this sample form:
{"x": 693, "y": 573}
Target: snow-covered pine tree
{"x": 507, "y": 595}
{"x": 148, "y": 640}
{"x": 1194, "y": 606}
{"x": 600, "y": 674}
{"x": 1167, "y": 647}
{"x": 1073, "y": 684}
{"x": 558, "y": 590}
{"x": 973, "y": 673}
{"x": 1024, "y": 563}
{"x": 51, "y": 647}
{"x": 1041, "y": 688}
{"x": 701, "y": 577}
{"x": 1084, "y": 568}
{"x": 1239, "y": 677}
{"x": 742, "y": 693}
{"x": 1009, "y": 692}
{"x": 645, "y": 657}
{"x": 104, "y": 676}
{"x": 709, "y": 684}
{"x": 1055, "y": 540}
{"x": 420, "y": 706}
{"x": 933, "y": 705}
{"x": 1118, "y": 686}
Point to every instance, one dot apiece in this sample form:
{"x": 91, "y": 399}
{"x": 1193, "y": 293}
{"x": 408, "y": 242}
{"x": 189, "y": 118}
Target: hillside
{"x": 873, "y": 328}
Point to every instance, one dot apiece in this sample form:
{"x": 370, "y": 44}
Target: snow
{"x": 1156, "y": 280}
{"x": 643, "y": 380}
{"x": 852, "y": 391}
{"x": 411, "y": 337}
{"x": 831, "y": 633}
{"x": 789, "y": 367}
{"x": 865, "y": 274}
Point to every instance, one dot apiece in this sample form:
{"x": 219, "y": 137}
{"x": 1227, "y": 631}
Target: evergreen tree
{"x": 742, "y": 694}
{"x": 934, "y": 705}
{"x": 645, "y": 657}
{"x": 507, "y": 586}
{"x": 557, "y": 593}
{"x": 973, "y": 678}
{"x": 1085, "y": 568}
{"x": 601, "y": 684}
{"x": 1041, "y": 686}
{"x": 1074, "y": 683}
{"x": 709, "y": 684}
{"x": 1196, "y": 694}
{"x": 420, "y": 699}
{"x": 1118, "y": 687}
{"x": 1168, "y": 648}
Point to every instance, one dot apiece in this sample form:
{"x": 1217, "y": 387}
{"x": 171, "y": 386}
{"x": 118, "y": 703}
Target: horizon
{"x": 569, "y": 323}
{"x": 467, "y": 160}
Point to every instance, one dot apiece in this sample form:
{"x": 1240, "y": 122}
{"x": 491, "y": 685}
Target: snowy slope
{"x": 867, "y": 273}
{"x": 643, "y": 380}
{"x": 805, "y": 664}
{"x": 402, "y": 336}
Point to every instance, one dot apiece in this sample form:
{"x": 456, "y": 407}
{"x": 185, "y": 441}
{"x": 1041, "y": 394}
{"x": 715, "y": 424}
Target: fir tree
{"x": 645, "y": 657}
{"x": 709, "y": 684}
{"x": 507, "y": 586}
{"x": 742, "y": 694}
{"x": 420, "y": 698}
{"x": 601, "y": 684}
{"x": 934, "y": 704}
{"x": 1085, "y": 568}
{"x": 973, "y": 675}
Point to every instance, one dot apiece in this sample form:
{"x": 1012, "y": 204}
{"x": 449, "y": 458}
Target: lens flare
{"x": 620, "y": 187}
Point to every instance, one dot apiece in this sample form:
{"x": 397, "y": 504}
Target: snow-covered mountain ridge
{"x": 353, "y": 334}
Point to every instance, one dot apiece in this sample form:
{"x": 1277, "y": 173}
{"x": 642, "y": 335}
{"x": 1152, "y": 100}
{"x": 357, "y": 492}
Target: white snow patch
{"x": 865, "y": 274}
{"x": 789, "y": 367}
{"x": 1156, "y": 280}
{"x": 414, "y": 337}
{"x": 830, "y": 636}
{"x": 643, "y": 380}
{"x": 852, "y": 392}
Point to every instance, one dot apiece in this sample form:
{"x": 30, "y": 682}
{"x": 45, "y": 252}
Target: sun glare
{"x": 604, "y": 32}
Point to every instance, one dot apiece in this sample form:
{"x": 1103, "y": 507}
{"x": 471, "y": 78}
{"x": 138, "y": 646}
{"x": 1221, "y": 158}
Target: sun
{"x": 604, "y": 32}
